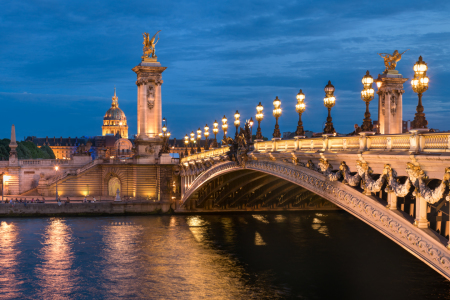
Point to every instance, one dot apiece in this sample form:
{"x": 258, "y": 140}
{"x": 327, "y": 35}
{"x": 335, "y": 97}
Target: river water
{"x": 305, "y": 255}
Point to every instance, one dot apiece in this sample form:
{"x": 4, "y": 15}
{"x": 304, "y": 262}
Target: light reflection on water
{"x": 272, "y": 256}
{"x": 9, "y": 275}
{"x": 56, "y": 277}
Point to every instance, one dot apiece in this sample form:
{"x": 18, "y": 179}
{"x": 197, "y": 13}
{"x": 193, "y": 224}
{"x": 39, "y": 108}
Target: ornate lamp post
{"x": 237, "y": 122}
{"x": 165, "y": 136}
{"x": 419, "y": 86}
{"x": 300, "y": 108}
{"x": 206, "y": 137}
{"x": 224, "y": 127}
{"x": 329, "y": 102}
{"x": 186, "y": 142}
{"x": 276, "y": 113}
{"x": 215, "y": 131}
{"x": 199, "y": 137}
{"x": 259, "y": 118}
{"x": 56, "y": 185}
{"x": 192, "y": 142}
{"x": 367, "y": 95}
{"x": 250, "y": 123}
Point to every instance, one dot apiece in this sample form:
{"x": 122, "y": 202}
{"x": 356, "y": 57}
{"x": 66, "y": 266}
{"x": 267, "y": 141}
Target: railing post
{"x": 421, "y": 212}
{"x": 297, "y": 144}
{"x": 388, "y": 143}
{"x": 325, "y": 142}
{"x": 414, "y": 142}
{"x": 421, "y": 142}
{"x": 362, "y": 142}
{"x": 392, "y": 200}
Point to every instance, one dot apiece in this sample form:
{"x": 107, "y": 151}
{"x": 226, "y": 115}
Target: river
{"x": 303, "y": 255}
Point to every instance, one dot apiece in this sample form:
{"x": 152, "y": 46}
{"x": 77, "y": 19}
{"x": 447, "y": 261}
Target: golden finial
{"x": 115, "y": 102}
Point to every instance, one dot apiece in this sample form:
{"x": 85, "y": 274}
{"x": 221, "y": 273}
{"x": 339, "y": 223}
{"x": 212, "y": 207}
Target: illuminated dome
{"x": 115, "y": 121}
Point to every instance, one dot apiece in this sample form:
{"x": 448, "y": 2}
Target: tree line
{"x": 26, "y": 150}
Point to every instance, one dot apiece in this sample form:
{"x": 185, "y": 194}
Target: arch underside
{"x": 280, "y": 185}
{"x": 244, "y": 189}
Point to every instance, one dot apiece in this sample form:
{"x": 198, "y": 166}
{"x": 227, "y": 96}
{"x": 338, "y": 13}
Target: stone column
{"x": 390, "y": 107}
{"x": 421, "y": 213}
{"x": 149, "y": 80}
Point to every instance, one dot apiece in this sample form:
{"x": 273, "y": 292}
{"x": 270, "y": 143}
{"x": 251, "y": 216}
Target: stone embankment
{"x": 83, "y": 209}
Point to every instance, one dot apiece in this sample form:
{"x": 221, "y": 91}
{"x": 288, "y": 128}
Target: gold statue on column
{"x": 149, "y": 47}
{"x": 390, "y": 61}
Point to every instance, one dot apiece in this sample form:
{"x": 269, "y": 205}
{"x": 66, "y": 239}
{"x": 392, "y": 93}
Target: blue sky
{"x": 60, "y": 60}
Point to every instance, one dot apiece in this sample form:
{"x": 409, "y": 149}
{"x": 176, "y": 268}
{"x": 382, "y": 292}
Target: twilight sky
{"x": 60, "y": 60}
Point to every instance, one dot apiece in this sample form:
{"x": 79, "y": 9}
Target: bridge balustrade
{"x": 425, "y": 142}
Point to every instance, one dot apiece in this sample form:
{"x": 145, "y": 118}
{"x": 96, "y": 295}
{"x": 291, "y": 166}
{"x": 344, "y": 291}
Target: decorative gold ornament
{"x": 390, "y": 61}
{"x": 149, "y": 47}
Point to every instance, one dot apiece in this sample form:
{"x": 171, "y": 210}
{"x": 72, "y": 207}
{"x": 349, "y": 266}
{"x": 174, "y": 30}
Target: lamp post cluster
{"x": 276, "y": 113}
{"x": 206, "y": 137}
{"x": 259, "y": 118}
{"x": 215, "y": 131}
{"x": 237, "y": 122}
{"x": 192, "y": 142}
{"x": 419, "y": 86}
{"x": 199, "y": 137}
{"x": 224, "y": 126}
{"x": 165, "y": 135}
{"x": 300, "y": 108}
{"x": 329, "y": 101}
{"x": 367, "y": 95}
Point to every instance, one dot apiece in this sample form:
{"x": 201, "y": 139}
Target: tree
{"x": 49, "y": 151}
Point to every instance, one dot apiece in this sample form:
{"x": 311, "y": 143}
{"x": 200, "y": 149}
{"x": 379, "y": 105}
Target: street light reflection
{"x": 8, "y": 261}
{"x": 56, "y": 275}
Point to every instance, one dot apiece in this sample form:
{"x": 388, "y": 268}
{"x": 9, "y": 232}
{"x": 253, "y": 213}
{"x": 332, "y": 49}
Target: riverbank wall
{"x": 78, "y": 208}
{"x": 83, "y": 209}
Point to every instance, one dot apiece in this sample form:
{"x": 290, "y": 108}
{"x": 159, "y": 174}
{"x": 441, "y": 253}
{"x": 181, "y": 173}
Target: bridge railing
{"x": 205, "y": 154}
{"x": 412, "y": 142}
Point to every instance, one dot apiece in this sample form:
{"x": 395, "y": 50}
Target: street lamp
{"x": 379, "y": 83}
{"x": 215, "y": 131}
{"x": 165, "y": 136}
{"x": 206, "y": 137}
{"x": 329, "y": 102}
{"x": 276, "y": 114}
{"x": 224, "y": 127}
{"x": 259, "y": 118}
{"x": 250, "y": 123}
{"x": 237, "y": 122}
{"x": 367, "y": 95}
{"x": 56, "y": 186}
{"x": 5, "y": 178}
{"x": 300, "y": 108}
{"x": 199, "y": 137}
{"x": 186, "y": 142}
{"x": 419, "y": 86}
{"x": 192, "y": 142}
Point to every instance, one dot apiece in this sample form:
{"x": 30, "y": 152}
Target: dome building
{"x": 115, "y": 121}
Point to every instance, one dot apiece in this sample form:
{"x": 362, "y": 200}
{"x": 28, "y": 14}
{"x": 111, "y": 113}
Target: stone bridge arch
{"x": 425, "y": 244}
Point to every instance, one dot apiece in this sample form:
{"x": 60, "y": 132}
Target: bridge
{"x": 397, "y": 184}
